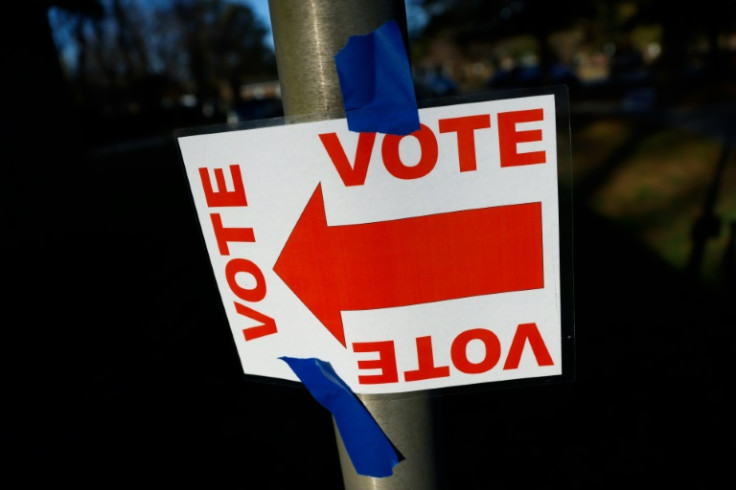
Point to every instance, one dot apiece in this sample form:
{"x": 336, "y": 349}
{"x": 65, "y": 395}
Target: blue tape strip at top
{"x": 376, "y": 83}
{"x": 370, "y": 451}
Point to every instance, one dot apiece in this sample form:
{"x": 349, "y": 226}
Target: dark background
{"x": 119, "y": 366}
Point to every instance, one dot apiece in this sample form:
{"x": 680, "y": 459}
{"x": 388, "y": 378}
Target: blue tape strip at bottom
{"x": 370, "y": 451}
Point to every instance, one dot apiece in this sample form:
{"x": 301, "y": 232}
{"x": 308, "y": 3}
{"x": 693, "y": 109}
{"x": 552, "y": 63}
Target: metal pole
{"x": 307, "y": 35}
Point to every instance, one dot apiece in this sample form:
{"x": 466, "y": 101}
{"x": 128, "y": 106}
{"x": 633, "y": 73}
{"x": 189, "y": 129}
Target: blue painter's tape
{"x": 376, "y": 83}
{"x": 370, "y": 451}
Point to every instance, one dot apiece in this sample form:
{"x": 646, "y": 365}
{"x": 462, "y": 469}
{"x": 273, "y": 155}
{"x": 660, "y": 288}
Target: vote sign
{"x": 413, "y": 262}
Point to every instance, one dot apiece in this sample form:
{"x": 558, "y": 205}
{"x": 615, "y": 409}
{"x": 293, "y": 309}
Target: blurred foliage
{"x": 675, "y": 39}
{"x": 185, "y": 58}
{"x": 185, "y": 62}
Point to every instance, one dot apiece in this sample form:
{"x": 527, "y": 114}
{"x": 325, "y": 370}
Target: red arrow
{"x": 410, "y": 261}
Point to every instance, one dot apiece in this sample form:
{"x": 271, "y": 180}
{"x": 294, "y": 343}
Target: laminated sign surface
{"x": 424, "y": 261}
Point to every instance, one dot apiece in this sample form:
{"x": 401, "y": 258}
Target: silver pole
{"x": 307, "y": 35}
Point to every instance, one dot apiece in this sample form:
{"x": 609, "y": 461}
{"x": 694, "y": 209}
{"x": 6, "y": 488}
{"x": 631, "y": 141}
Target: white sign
{"x": 408, "y": 262}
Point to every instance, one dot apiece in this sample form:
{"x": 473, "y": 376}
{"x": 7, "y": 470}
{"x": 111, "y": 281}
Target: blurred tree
{"x": 40, "y": 125}
{"x": 684, "y": 26}
{"x": 223, "y": 44}
{"x": 693, "y": 40}
{"x": 468, "y": 21}
{"x": 136, "y": 55}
